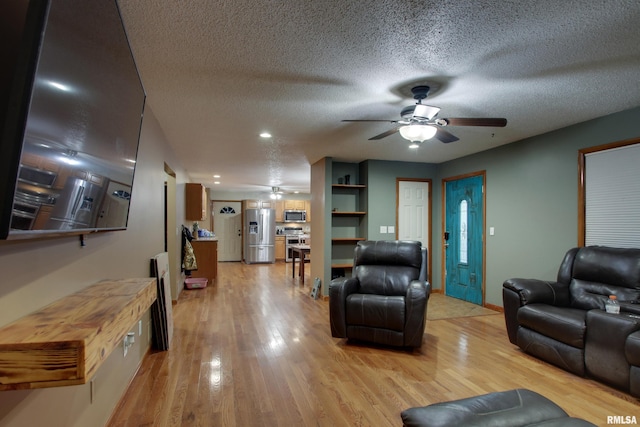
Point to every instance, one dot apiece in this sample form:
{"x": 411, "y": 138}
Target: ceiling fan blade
{"x": 385, "y": 134}
{"x": 371, "y": 120}
{"x": 493, "y": 122}
{"x": 445, "y": 136}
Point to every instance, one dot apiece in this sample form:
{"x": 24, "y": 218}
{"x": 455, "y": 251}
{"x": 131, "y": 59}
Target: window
{"x": 464, "y": 220}
{"x": 227, "y": 210}
{"x": 610, "y": 202}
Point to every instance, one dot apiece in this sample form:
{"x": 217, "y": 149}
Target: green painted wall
{"x": 381, "y": 188}
{"x": 532, "y": 199}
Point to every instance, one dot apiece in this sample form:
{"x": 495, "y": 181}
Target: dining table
{"x": 300, "y": 253}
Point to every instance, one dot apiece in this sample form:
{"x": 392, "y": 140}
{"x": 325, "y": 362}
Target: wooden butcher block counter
{"x": 65, "y": 342}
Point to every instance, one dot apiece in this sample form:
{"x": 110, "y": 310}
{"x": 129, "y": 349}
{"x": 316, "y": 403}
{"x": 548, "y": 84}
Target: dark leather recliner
{"x": 564, "y": 321}
{"x": 385, "y": 300}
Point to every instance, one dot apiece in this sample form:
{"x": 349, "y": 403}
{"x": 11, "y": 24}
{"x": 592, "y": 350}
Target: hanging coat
{"x": 189, "y": 257}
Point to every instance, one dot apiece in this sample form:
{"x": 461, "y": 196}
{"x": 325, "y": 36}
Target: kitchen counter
{"x": 206, "y": 251}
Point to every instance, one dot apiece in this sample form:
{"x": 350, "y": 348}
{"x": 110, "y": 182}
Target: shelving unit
{"x": 348, "y": 214}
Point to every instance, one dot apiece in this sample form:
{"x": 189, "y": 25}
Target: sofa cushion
{"x": 385, "y": 279}
{"x": 376, "y": 311}
{"x": 387, "y": 267}
{"x": 563, "y": 324}
{"x": 614, "y": 266}
{"x": 588, "y": 295}
{"x": 553, "y": 351}
{"x": 511, "y": 408}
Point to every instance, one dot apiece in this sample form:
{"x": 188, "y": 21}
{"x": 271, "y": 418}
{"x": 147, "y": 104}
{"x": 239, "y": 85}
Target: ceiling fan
{"x": 419, "y": 121}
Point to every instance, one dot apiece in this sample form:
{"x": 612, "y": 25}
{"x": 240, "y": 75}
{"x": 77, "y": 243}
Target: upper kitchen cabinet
{"x": 196, "y": 202}
{"x": 294, "y": 205}
{"x": 257, "y": 204}
{"x": 279, "y": 210}
{"x": 307, "y": 207}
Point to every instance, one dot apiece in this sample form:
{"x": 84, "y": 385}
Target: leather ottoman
{"x": 513, "y": 408}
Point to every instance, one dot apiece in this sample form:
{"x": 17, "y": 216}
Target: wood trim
{"x": 582, "y": 203}
{"x": 494, "y": 307}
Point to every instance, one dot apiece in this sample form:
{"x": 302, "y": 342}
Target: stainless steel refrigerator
{"x": 78, "y": 205}
{"x": 260, "y": 236}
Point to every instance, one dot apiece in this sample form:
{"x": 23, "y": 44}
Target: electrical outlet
{"x": 139, "y": 327}
{"x": 125, "y": 345}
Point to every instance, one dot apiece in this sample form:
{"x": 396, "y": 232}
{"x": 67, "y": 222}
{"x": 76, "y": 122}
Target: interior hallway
{"x": 254, "y": 349}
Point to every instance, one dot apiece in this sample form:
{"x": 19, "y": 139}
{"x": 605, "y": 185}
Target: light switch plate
{"x": 383, "y": 229}
{"x": 391, "y": 229}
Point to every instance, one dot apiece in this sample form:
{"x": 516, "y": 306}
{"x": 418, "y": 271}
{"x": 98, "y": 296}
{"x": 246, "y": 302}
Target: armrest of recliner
{"x": 532, "y": 291}
{"x": 520, "y": 292}
{"x": 416, "y": 300}
{"x": 339, "y": 289}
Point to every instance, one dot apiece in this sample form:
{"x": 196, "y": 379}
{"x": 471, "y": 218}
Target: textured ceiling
{"x": 217, "y": 73}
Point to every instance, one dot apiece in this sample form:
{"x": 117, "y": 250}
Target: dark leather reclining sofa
{"x": 565, "y": 323}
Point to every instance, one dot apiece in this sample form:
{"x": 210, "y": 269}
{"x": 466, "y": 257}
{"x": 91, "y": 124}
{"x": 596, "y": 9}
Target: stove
{"x": 293, "y": 236}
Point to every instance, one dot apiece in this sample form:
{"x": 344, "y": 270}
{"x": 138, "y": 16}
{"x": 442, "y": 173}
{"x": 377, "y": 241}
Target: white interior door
{"x": 227, "y": 224}
{"x": 413, "y": 211}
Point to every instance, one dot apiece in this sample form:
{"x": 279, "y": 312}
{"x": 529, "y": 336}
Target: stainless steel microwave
{"x": 295, "y": 216}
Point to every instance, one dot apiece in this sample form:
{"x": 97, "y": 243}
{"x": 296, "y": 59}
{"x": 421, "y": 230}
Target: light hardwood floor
{"x": 254, "y": 349}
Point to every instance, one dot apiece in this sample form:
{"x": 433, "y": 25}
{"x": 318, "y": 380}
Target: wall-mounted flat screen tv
{"x": 71, "y": 106}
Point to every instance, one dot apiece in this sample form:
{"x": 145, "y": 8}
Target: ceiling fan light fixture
{"x": 418, "y": 133}
{"x": 275, "y": 193}
{"x": 414, "y": 145}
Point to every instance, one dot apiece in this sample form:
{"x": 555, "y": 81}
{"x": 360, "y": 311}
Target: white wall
{"x": 36, "y": 273}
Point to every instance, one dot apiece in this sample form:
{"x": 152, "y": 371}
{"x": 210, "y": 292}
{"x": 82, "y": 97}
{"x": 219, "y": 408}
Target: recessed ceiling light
{"x": 216, "y": 176}
{"x": 265, "y": 135}
{"x": 217, "y": 182}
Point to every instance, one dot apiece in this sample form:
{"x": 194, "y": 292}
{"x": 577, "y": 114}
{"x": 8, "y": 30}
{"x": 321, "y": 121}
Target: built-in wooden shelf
{"x": 65, "y": 342}
{"x": 341, "y": 264}
{"x": 348, "y": 186}
{"x": 347, "y": 239}
{"x": 346, "y": 213}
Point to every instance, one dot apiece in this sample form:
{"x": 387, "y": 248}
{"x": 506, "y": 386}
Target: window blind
{"x": 612, "y": 197}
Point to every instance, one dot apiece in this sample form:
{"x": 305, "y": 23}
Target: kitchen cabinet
{"x": 206, "y": 253}
{"x": 294, "y": 205}
{"x": 44, "y": 213}
{"x": 196, "y": 202}
{"x": 279, "y": 211}
{"x": 307, "y": 208}
{"x": 280, "y": 248}
{"x": 258, "y": 204}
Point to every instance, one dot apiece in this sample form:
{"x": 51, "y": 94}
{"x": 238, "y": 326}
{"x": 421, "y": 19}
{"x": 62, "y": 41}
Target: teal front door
{"x": 464, "y": 224}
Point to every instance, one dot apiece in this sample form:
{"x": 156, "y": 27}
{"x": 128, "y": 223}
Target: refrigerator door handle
{"x": 76, "y": 203}
{"x": 261, "y": 227}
